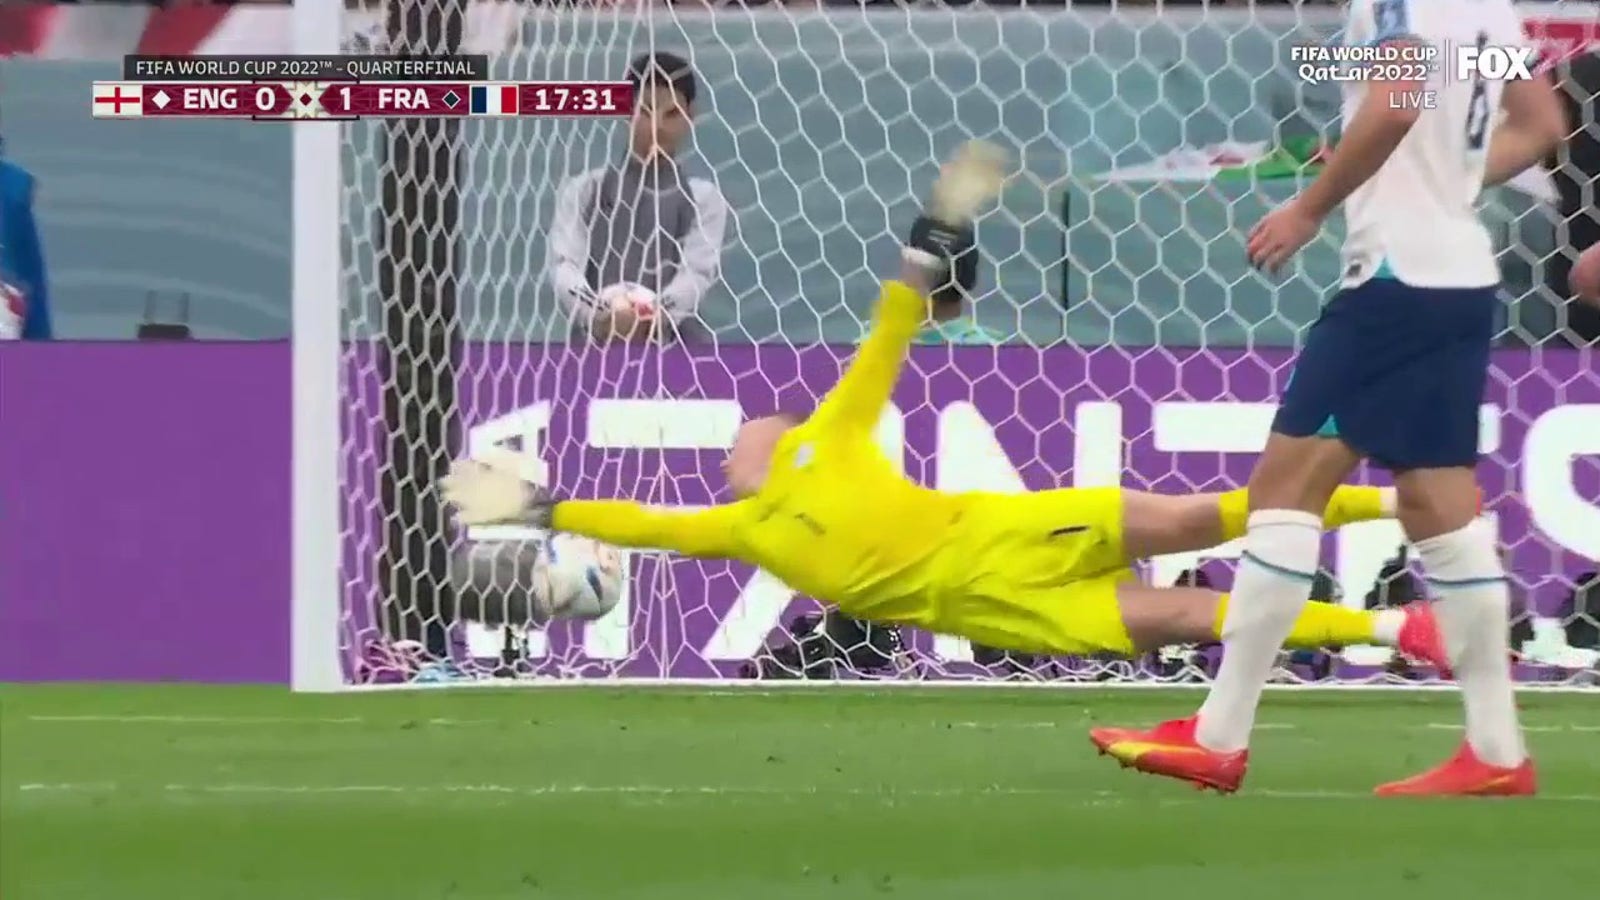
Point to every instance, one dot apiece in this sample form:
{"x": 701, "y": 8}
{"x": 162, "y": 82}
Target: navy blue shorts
{"x": 1397, "y": 372}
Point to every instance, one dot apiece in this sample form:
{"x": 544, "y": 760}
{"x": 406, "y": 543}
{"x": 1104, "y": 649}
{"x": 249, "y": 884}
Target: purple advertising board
{"x": 145, "y": 518}
{"x": 144, "y": 512}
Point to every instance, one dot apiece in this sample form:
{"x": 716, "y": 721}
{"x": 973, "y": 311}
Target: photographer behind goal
{"x": 634, "y": 247}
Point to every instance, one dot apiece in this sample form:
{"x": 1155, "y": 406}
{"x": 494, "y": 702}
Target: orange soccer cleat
{"x": 1420, "y": 639}
{"x": 1170, "y": 749}
{"x": 1464, "y": 775}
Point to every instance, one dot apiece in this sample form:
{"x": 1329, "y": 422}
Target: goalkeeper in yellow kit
{"x": 1047, "y": 572}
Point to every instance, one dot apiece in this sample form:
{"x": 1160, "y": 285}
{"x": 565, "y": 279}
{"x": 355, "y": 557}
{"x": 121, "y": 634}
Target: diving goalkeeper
{"x": 822, "y": 509}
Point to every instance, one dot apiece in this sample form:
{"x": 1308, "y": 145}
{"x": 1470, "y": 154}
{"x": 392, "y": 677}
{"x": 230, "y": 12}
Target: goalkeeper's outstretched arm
{"x": 940, "y": 267}
{"x": 491, "y": 491}
{"x": 858, "y": 398}
{"x": 706, "y": 533}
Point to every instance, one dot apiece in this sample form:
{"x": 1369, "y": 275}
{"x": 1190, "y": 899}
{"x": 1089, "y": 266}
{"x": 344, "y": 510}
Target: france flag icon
{"x": 494, "y": 100}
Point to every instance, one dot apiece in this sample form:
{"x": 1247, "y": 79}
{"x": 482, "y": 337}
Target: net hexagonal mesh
{"x": 1121, "y": 338}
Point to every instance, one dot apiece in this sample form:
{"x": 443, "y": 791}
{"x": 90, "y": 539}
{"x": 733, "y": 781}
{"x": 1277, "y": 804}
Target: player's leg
{"x": 1156, "y": 524}
{"x": 1438, "y": 509}
{"x": 1302, "y": 465}
{"x": 1156, "y": 617}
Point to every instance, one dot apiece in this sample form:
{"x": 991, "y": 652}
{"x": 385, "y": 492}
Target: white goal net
{"x": 1122, "y": 338}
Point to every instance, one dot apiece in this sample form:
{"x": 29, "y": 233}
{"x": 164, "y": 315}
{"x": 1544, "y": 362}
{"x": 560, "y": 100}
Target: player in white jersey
{"x": 1393, "y": 371}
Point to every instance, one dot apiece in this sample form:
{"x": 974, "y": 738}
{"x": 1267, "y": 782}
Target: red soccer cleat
{"x": 1170, "y": 749}
{"x": 1464, "y": 775}
{"x": 1420, "y": 640}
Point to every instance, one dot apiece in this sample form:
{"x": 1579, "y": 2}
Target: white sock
{"x": 1274, "y": 582}
{"x": 1474, "y": 619}
{"x": 1388, "y": 502}
{"x": 1386, "y": 625}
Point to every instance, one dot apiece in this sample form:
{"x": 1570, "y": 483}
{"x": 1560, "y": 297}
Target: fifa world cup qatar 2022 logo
{"x": 1402, "y": 64}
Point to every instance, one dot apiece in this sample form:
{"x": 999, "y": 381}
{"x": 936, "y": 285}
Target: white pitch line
{"x": 1005, "y": 725}
{"x": 445, "y": 722}
{"x": 1099, "y": 797}
{"x": 248, "y": 720}
{"x": 1080, "y": 723}
{"x": 548, "y": 790}
{"x": 1537, "y": 729}
{"x": 358, "y": 720}
{"x": 198, "y": 720}
{"x": 999, "y": 725}
{"x": 1363, "y": 795}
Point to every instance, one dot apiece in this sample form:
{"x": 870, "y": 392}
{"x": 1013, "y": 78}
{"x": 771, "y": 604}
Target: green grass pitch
{"x": 250, "y": 793}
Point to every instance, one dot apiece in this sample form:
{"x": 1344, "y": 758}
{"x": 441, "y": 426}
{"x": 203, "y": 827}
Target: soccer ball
{"x": 584, "y": 576}
{"x": 635, "y": 298}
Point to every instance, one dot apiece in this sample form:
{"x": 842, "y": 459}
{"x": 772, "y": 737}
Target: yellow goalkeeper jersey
{"x": 835, "y": 520}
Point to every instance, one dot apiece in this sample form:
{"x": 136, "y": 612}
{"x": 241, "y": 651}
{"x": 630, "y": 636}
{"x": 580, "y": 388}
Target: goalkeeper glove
{"x": 947, "y": 254}
{"x": 942, "y": 242}
{"x": 491, "y": 491}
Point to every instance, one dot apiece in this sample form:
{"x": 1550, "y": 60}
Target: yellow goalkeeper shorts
{"x": 1039, "y": 572}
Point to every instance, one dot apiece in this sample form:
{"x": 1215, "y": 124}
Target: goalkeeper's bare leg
{"x": 1158, "y": 524}
{"x": 1156, "y": 617}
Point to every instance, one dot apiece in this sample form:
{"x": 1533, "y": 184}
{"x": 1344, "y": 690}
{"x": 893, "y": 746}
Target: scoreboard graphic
{"x": 342, "y": 88}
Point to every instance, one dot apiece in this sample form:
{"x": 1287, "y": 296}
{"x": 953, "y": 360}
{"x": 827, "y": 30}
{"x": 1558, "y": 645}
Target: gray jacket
{"x": 649, "y": 225}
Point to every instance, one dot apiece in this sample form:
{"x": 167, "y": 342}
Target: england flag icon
{"x": 118, "y": 99}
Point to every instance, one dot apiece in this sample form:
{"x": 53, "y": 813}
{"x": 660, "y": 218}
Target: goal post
{"x": 316, "y": 657}
{"x": 1123, "y": 339}
{"x": 419, "y": 257}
